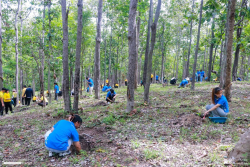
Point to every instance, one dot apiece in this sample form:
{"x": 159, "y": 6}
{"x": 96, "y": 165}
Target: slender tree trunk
{"x": 110, "y": 45}
{"x": 33, "y": 84}
{"x": 178, "y": 52}
{"x": 215, "y": 51}
{"x": 78, "y": 56}
{"x": 150, "y": 55}
{"x": 150, "y": 20}
{"x": 139, "y": 67}
{"x": 104, "y": 79}
{"x": 42, "y": 48}
{"x": 211, "y": 52}
{"x": 242, "y": 66}
{"x": 221, "y": 51}
{"x": 204, "y": 62}
{"x": 97, "y": 51}
{"x": 162, "y": 52}
{"x": 16, "y": 49}
{"x": 66, "y": 93}
{"x": 116, "y": 70}
{"x": 229, "y": 48}
{"x": 189, "y": 48}
{"x": 132, "y": 54}
{"x": 1, "y": 63}
{"x": 197, "y": 48}
{"x": 50, "y": 51}
{"x": 248, "y": 65}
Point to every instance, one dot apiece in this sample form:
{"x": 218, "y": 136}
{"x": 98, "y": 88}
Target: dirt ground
{"x": 167, "y": 132}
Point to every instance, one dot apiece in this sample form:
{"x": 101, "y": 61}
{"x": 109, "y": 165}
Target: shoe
{"x": 64, "y": 153}
{"x": 50, "y": 153}
{"x": 108, "y": 102}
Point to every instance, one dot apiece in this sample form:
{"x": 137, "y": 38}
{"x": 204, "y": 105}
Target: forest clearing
{"x": 148, "y": 137}
{"x": 134, "y": 83}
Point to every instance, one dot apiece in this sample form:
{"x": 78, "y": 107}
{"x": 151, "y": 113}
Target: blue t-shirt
{"x": 110, "y": 94}
{"x": 91, "y": 84}
{"x": 203, "y": 73}
{"x": 56, "y": 88}
{"x": 63, "y": 131}
{"x": 156, "y": 77}
{"x": 223, "y": 103}
{"x": 184, "y": 82}
{"x": 198, "y": 72}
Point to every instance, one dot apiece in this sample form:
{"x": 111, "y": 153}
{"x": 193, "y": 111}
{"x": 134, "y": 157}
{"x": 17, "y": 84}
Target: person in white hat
{"x": 184, "y": 83}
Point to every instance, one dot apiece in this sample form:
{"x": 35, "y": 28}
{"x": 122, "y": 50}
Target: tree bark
{"x": 178, "y": 51}
{"x": 78, "y": 56}
{"x": 110, "y": 45}
{"x": 242, "y": 66}
{"x": 189, "y": 48}
{"x": 66, "y": 92}
{"x": 132, "y": 54}
{"x": 16, "y": 49}
{"x": 229, "y": 48}
{"x": 248, "y": 65}
{"x": 50, "y": 50}
{"x": 150, "y": 20}
{"x": 162, "y": 52}
{"x": 104, "y": 79}
{"x": 211, "y": 51}
{"x": 197, "y": 48}
{"x": 150, "y": 55}
{"x": 1, "y": 63}
{"x": 97, "y": 52}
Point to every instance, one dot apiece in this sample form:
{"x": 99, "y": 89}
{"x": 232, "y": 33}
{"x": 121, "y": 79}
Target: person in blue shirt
{"x": 106, "y": 88}
{"x": 90, "y": 85}
{"x": 56, "y": 88}
{"x": 62, "y": 135}
{"x": 239, "y": 79}
{"x": 220, "y": 107}
{"x": 157, "y": 78}
{"x": 111, "y": 95}
{"x": 196, "y": 76}
{"x": 199, "y": 75}
{"x": 184, "y": 83}
{"x": 202, "y": 74}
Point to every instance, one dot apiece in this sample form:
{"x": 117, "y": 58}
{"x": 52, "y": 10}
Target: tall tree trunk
{"x": 150, "y": 20}
{"x": 221, "y": 51}
{"x": 139, "y": 67}
{"x": 116, "y": 69}
{"x": 132, "y": 54}
{"x": 16, "y": 49}
{"x": 229, "y": 48}
{"x": 189, "y": 48}
{"x": 104, "y": 79}
{"x": 150, "y": 55}
{"x": 242, "y": 66}
{"x": 203, "y": 68}
{"x": 66, "y": 92}
{"x": 178, "y": 51}
{"x": 197, "y": 48}
{"x": 97, "y": 52}
{"x": 78, "y": 56}
{"x": 211, "y": 51}
{"x": 215, "y": 51}
{"x": 50, "y": 50}
{"x": 248, "y": 65}
{"x": 162, "y": 53}
{"x": 1, "y": 63}
{"x": 237, "y": 53}
{"x": 110, "y": 45}
{"x": 42, "y": 48}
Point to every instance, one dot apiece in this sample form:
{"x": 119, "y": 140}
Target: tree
{"x": 230, "y": 27}
{"x": 97, "y": 52}
{"x": 66, "y": 94}
{"x": 78, "y": 55}
{"x": 133, "y": 52}
{"x": 1, "y": 62}
{"x": 16, "y": 48}
{"x": 153, "y": 36}
{"x": 150, "y": 20}
{"x": 197, "y": 48}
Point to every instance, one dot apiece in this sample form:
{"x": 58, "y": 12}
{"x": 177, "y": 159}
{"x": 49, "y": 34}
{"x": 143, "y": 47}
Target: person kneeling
{"x": 220, "y": 107}
{"x": 184, "y": 83}
{"x": 62, "y": 135}
{"x": 41, "y": 101}
{"x": 111, "y": 95}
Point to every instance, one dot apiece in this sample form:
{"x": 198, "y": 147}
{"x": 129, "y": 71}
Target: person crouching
{"x": 62, "y": 135}
{"x": 111, "y": 95}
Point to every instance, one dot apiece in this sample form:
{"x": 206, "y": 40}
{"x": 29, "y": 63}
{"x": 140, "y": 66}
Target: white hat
{"x": 187, "y": 79}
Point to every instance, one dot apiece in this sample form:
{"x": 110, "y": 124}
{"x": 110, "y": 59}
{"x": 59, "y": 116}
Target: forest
{"x": 61, "y": 50}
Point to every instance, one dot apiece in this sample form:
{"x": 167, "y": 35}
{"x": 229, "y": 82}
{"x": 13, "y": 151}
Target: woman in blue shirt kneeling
{"x": 220, "y": 107}
{"x": 62, "y": 135}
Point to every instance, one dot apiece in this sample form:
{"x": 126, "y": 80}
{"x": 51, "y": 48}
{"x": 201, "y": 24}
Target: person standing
{"x": 152, "y": 76}
{"x": 126, "y": 82}
{"x": 197, "y": 76}
{"x": 23, "y": 97}
{"x": 56, "y": 88}
{"x": 90, "y": 85}
{"x": 7, "y": 101}
{"x": 107, "y": 82}
{"x": 2, "y": 101}
{"x": 202, "y": 74}
{"x": 28, "y": 95}
{"x": 14, "y": 94}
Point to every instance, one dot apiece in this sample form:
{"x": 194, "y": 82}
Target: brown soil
{"x": 187, "y": 120}
{"x": 100, "y": 103}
